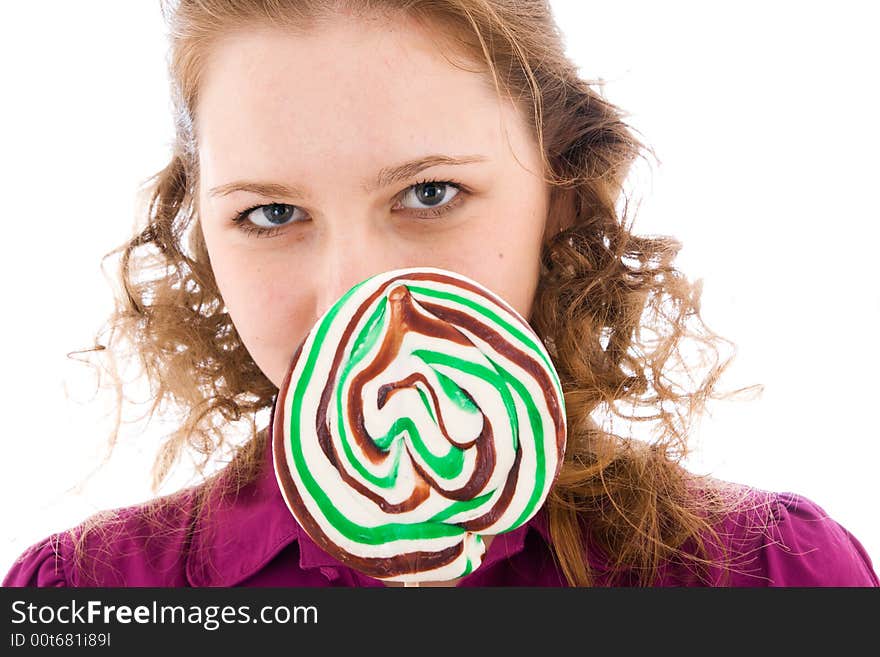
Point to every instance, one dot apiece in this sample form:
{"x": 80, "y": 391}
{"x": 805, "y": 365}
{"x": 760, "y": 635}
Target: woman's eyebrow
{"x": 385, "y": 178}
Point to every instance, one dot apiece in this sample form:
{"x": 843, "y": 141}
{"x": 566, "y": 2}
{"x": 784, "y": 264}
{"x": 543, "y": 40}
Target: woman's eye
{"x": 431, "y": 194}
{"x": 265, "y": 218}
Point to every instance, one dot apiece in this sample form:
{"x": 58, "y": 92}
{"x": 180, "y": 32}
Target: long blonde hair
{"x": 612, "y": 309}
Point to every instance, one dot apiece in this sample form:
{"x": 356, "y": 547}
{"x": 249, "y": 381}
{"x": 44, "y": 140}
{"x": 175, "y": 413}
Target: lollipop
{"x": 420, "y": 413}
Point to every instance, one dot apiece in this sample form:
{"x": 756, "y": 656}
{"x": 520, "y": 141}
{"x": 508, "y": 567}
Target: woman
{"x": 464, "y": 139}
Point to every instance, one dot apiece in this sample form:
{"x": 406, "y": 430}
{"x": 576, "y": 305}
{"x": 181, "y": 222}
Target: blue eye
{"x": 265, "y": 219}
{"x": 431, "y": 190}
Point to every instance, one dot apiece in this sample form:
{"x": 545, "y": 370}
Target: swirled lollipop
{"x": 420, "y": 413}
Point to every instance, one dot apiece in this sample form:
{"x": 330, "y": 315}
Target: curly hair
{"x": 612, "y": 309}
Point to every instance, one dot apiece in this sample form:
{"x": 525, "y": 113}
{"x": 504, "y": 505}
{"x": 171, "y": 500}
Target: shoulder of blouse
{"x": 784, "y": 539}
{"x": 140, "y": 545}
{"x": 42, "y": 564}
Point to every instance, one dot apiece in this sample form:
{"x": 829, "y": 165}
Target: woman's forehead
{"x": 357, "y": 94}
{"x": 377, "y": 71}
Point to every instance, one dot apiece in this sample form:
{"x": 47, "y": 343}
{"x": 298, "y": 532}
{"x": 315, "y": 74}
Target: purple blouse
{"x": 779, "y": 539}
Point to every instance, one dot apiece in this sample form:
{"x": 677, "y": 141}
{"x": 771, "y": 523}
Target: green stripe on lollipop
{"x": 448, "y": 466}
{"x": 455, "y": 393}
{"x": 458, "y": 507}
{"x": 426, "y": 403}
{"x": 538, "y": 433}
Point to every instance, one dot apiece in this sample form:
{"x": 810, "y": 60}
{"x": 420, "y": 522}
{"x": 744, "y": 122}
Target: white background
{"x": 764, "y": 118}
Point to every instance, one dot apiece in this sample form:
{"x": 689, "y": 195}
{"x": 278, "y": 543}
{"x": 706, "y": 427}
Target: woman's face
{"x": 341, "y": 144}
